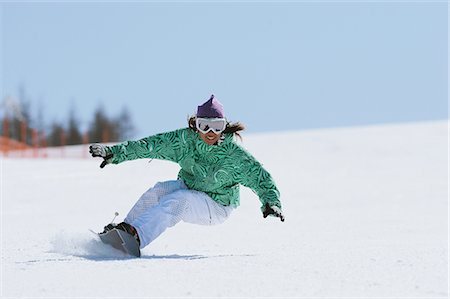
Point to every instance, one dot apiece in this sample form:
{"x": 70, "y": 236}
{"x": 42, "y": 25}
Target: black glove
{"x": 273, "y": 211}
{"x": 98, "y": 150}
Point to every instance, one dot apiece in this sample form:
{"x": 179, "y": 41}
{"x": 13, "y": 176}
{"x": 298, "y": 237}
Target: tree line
{"x": 19, "y": 124}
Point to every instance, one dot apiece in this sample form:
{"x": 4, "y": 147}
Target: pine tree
{"x": 100, "y": 128}
{"x": 73, "y": 131}
{"x": 125, "y": 125}
{"x": 57, "y": 134}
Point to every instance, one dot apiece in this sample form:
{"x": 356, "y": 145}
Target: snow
{"x": 366, "y": 216}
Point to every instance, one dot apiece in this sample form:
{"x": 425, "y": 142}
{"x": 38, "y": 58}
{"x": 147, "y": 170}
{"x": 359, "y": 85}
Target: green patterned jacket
{"x": 216, "y": 170}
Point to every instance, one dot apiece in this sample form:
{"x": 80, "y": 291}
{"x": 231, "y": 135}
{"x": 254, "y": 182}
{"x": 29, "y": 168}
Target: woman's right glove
{"x": 99, "y": 150}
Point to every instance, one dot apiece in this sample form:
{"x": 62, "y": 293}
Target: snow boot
{"x": 124, "y": 227}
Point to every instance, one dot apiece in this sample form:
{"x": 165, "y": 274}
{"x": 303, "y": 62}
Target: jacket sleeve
{"x": 165, "y": 146}
{"x": 254, "y": 176}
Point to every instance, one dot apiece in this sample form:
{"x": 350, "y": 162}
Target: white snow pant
{"x": 167, "y": 203}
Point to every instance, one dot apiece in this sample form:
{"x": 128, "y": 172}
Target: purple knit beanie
{"x": 211, "y": 109}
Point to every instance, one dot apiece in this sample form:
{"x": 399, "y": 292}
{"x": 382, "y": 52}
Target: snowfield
{"x": 366, "y": 216}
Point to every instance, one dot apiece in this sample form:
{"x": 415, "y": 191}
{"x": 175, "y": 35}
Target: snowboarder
{"x": 207, "y": 188}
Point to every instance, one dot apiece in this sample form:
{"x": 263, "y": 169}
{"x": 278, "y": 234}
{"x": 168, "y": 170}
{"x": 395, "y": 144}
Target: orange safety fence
{"x": 7, "y": 144}
{"x": 10, "y": 148}
{"x": 35, "y": 145}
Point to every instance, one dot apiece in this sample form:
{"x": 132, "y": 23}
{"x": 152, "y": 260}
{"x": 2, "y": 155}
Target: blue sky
{"x": 274, "y": 65}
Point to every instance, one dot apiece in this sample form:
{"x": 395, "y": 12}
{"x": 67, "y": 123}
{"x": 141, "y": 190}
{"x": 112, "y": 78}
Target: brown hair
{"x": 233, "y": 128}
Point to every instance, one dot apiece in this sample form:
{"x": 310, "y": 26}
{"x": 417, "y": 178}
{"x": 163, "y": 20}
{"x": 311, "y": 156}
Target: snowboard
{"x": 122, "y": 241}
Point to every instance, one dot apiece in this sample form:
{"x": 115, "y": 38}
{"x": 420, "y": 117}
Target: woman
{"x": 207, "y": 188}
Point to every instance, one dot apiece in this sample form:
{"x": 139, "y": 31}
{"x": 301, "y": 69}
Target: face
{"x": 210, "y": 137}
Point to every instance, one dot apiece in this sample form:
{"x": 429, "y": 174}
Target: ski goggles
{"x": 216, "y": 125}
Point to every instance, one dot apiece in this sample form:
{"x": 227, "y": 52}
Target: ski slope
{"x": 366, "y": 216}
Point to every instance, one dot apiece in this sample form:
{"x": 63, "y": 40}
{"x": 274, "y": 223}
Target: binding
{"x": 123, "y": 226}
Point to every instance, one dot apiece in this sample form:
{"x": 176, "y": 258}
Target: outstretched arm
{"x": 165, "y": 146}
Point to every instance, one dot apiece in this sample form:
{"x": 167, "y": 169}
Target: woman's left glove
{"x": 273, "y": 211}
{"x": 99, "y": 150}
